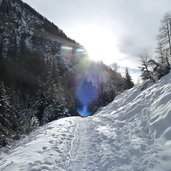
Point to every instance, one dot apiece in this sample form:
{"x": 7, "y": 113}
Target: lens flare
{"x": 88, "y": 83}
{"x": 84, "y": 111}
{"x": 86, "y": 93}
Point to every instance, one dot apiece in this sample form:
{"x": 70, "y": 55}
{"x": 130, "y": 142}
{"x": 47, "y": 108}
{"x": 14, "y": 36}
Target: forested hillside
{"x": 45, "y": 75}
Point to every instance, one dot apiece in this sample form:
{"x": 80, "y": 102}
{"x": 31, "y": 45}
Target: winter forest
{"x": 43, "y": 79}
{"x": 47, "y": 77}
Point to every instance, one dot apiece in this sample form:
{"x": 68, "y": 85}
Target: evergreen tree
{"x": 128, "y": 80}
{"x": 5, "y": 109}
{"x": 52, "y": 103}
{"x": 27, "y": 120}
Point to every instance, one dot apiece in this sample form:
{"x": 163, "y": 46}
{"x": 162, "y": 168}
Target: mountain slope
{"x": 131, "y": 133}
{"x": 42, "y": 71}
{"x": 20, "y": 24}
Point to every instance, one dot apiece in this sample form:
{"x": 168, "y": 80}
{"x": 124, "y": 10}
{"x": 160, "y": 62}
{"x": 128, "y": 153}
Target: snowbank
{"x": 133, "y": 133}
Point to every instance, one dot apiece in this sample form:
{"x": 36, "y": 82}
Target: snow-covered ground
{"x": 133, "y": 133}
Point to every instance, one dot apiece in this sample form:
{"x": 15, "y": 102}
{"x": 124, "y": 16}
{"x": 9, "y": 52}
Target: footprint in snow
{"x": 44, "y": 148}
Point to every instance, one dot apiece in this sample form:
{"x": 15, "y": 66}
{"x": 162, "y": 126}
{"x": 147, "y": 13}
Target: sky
{"x": 115, "y": 31}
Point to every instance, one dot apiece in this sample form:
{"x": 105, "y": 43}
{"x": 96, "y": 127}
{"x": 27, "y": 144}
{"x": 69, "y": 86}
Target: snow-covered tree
{"x": 27, "y": 120}
{"x": 158, "y": 69}
{"x": 163, "y": 57}
{"x": 164, "y": 47}
{"x": 51, "y": 104}
{"x": 146, "y": 73}
{"x": 5, "y": 109}
{"x": 164, "y": 35}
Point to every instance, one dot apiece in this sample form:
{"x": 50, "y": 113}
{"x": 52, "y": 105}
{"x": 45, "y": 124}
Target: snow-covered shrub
{"x": 27, "y": 120}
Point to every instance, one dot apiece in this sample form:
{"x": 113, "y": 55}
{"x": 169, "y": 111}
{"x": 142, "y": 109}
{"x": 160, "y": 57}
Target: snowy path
{"x": 82, "y": 150}
{"x": 82, "y": 144}
{"x": 133, "y": 133}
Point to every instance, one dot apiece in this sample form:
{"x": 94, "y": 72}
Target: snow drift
{"x": 133, "y": 133}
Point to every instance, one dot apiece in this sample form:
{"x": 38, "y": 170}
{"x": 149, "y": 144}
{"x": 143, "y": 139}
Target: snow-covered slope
{"x": 132, "y": 133}
{"x": 21, "y": 27}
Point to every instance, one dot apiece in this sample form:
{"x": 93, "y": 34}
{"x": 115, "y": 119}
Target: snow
{"x": 133, "y": 133}
{"x": 28, "y": 42}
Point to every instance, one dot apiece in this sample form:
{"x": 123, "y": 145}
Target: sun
{"x": 99, "y": 43}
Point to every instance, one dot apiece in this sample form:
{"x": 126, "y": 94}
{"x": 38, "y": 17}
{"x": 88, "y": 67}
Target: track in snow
{"x": 84, "y": 152}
